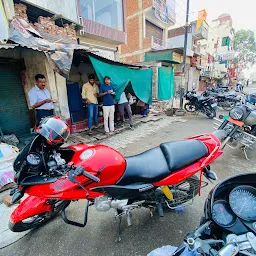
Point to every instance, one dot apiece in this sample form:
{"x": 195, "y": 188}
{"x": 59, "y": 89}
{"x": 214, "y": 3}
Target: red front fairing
{"x": 103, "y": 161}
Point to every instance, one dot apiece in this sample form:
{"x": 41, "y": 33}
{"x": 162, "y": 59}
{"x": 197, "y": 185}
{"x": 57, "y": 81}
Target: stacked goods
{"x": 46, "y": 24}
{"x": 20, "y": 11}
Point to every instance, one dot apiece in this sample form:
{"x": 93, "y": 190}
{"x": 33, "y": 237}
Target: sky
{"x": 242, "y": 12}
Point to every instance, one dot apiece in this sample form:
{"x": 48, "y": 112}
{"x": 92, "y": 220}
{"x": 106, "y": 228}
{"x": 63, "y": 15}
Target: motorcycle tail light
{"x": 221, "y": 116}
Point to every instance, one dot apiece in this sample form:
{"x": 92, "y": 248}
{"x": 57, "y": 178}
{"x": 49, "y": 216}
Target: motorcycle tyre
{"x": 186, "y": 106}
{"x": 210, "y": 112}
{"x": 21, "y": 226}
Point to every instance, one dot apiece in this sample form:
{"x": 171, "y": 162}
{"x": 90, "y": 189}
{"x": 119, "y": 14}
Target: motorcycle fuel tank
{"x": 251, "y": 119}
{"x": 100, "y": 160}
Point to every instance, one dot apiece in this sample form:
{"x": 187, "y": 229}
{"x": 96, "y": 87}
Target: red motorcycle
{"x": 52, "y": 176}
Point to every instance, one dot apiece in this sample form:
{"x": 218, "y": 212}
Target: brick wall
{"x": 146, "y": 3}
{"x": 132, "y": 6}
{"x": 132, "y": 36}
{"x": 147, "y": 42}
{"x": 134, "y": 58}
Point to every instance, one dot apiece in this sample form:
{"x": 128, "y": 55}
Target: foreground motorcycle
{"x": 52, "y": 176}
{"x": 206, "y": 105}
{"x": 228, "y": 226}
{"x": 240, "y": 126}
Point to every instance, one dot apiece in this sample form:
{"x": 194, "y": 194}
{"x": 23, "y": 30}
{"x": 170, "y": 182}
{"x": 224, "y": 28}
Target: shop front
{"x": 128, "y": 78}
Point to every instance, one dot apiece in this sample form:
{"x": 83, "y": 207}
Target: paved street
{"x": 147, "y": 233}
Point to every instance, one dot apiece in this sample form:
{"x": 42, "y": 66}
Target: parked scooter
{"x": 52, "y": 176}
{"x": 228, "y": 225}
{"x": 206, "y": 105}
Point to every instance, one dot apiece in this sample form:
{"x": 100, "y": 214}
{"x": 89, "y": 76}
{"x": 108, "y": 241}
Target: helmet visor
{"x": 54, "y": 129}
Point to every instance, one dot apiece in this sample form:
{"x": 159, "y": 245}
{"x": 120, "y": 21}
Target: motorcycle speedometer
{"x": 236, "y": 113}
{"x": 34, "y": 159}
{"x": 222, "y": 214}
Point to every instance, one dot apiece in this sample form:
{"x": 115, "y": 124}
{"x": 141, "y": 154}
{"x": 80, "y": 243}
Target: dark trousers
{"x": 41, "y": 113}
{"x": 125, "y": 106}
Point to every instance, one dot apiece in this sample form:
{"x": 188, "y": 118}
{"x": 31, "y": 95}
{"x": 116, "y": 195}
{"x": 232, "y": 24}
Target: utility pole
{"x": 182, "y": 89}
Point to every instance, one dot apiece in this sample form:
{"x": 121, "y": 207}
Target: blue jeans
{"x": 92, "y": 114}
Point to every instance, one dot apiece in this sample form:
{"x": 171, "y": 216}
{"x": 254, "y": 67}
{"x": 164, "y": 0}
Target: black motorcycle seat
{"x": 180, "y": 154}
{"x": 147, "y": 167}
{"x": 156, "y": 164}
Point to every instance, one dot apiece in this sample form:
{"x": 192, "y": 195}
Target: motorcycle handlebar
{"x": 81, "y": 171}
{"x": 90, "y": 176}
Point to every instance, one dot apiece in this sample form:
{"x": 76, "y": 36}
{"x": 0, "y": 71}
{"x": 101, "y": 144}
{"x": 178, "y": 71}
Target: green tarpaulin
{"x": 141, "y": 80}
{"x": 165, "y": 83}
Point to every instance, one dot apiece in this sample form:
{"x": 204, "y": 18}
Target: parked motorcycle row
{"x": 163, "y": 177}
{"x": 209, "y": 100}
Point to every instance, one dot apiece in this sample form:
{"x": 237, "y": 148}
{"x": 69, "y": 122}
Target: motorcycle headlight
{"x": 236, "y": 113}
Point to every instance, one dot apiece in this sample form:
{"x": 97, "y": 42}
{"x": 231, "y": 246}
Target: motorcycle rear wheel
{"x": 210, "y": 112}
{"x": 184, "y": 192}
{"x": 37, "y": 220}
{"x": 190, "y": 107}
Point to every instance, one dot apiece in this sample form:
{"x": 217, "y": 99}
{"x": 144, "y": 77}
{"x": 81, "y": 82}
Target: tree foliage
{"x": 245, "y": 47}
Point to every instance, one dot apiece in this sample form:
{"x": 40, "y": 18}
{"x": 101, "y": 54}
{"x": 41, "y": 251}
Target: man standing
{"x": 90, "y": 93}
{"x": 122, "y": 105}
{"x": 40, "y": 98}
{"x": 107, "y": 92}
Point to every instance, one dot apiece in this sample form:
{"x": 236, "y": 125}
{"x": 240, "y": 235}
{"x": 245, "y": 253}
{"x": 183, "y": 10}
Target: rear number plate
{"x": 214, "y": 105}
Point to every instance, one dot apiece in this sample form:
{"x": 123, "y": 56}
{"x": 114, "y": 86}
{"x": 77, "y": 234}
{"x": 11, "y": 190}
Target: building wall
{"x": 137, "y": 12}
{"x": 67, "y": 8}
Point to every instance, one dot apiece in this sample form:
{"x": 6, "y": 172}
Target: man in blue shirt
{"x": 107, "y": 92}
{"x": 40, "y": 98}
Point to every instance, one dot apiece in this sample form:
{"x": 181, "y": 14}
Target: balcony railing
{"x": 158, "y": 44}
{"x": 165, "y": 9}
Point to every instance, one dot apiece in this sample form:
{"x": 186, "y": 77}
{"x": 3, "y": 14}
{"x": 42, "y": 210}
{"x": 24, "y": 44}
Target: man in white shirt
{"x": 122, "y": 105}
{"x": 40, "y": 98}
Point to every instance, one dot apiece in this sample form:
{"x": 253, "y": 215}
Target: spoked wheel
{"x": 183, "y": 192}
{"x": 189, "y": 107}
{"x": 210, "y": 112}
{"x": 37, "y": 220}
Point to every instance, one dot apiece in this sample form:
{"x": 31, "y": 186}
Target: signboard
{"x": 4, "y": 27}
{"x": 161, "y": 11}
{"x": 176, "y": 57}
{"x": 226, "y": 56}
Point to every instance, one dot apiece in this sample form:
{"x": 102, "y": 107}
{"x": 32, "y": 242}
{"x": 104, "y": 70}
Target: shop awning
{"x": 141, "y": 79}
{"x": 162, "y": 55}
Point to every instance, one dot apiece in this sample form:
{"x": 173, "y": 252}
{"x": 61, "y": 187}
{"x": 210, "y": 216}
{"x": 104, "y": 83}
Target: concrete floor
{"x": 147, "y": 233}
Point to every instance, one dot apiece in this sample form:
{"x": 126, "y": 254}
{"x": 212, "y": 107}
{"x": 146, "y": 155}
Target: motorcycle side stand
{"x": 245, "y": 153}
{"x": 119, "y": 215}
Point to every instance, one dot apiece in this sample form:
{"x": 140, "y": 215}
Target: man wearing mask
{"x": 107, "y": 92}
{"x": 40, "y": 98}
{"x": 90, "y": 93}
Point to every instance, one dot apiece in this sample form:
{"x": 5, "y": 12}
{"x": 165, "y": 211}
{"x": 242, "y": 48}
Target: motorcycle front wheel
{"x": 190, "y": 107}
{"x": 37, "y": 220}
{"x": 210, "y": 112}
